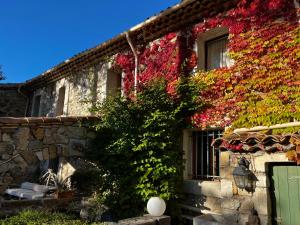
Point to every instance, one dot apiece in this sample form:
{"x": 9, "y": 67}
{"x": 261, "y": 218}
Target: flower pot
{"x": 64, "y": 194}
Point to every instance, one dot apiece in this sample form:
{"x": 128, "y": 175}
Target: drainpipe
{"x": 27, "y": 99}
{"x": 297, "y": 6}
{"x": 136, "y": 62}
{"x": 67, "y": 113}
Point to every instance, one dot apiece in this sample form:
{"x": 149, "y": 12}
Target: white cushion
{"x": 35, "y": 187}
{"x": 40, "y": 188}
{"x": 27, "y": 185}
{"x": 30, "y": 191}
{"x": 27, "y": 194}
{"x": 14, "y": 192}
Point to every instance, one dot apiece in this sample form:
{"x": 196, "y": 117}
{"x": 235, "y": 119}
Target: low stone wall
{"x": 146, "y": 220}
{"x": 25, "y": 142}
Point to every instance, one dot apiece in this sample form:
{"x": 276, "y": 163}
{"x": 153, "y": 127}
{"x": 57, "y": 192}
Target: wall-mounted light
{"x": 244, "y": 178}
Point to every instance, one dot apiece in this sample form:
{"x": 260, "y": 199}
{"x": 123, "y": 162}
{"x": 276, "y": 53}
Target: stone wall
{"x": 223, "y": 199}
{"x": 26, "y": 143}
{"x": 12, "y": 103}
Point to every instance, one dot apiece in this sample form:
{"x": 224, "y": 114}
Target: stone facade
{"x": 12, "y": 103}
{"x": 82, "y": 89}
{"x": 28, "y": 143}
{"x": 221, "y": 197}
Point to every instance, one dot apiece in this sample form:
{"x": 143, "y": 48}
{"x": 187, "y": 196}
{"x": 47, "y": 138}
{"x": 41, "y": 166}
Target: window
{"x": 114, "y": 82}
{"x": 36, "y": 106}
{"x": 212, "y": 49}
{"x": 206, "y": 159}
{"x": 60, "y": 101}
{"x": 216, "y": 54}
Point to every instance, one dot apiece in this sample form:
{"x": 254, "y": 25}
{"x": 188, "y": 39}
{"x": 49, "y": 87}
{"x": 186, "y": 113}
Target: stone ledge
{"x": 146, "y": 220}
{"x": 10, "y": 86}
{"x": 45, "y": 121}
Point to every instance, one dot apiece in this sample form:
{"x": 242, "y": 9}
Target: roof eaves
{"x": 10, "y": 86}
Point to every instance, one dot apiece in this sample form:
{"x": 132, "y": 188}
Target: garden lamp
{"x": 156, "y": 206}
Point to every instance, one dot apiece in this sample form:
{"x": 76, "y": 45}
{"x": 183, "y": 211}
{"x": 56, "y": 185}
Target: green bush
{"x": 37, "y": 217}
{"x": 138, "y": 145}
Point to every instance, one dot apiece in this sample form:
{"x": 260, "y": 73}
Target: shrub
{"x": 35, "y": 217}
{"x": 87, "y": 180}
{"x": 138, "y": 145}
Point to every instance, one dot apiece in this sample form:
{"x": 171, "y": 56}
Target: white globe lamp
{"x": 156, "y": 206}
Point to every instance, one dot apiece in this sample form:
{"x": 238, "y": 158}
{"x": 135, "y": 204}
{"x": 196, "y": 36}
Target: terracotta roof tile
{"x": 255, "y": 141}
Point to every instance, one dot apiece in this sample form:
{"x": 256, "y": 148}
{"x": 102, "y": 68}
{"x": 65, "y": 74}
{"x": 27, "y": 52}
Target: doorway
{"x": 285, "y": 193}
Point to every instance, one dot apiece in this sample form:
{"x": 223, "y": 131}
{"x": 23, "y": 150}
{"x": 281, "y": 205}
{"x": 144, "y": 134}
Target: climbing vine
{"x": 261, "y": 88}
{"x": 161, "y": 59}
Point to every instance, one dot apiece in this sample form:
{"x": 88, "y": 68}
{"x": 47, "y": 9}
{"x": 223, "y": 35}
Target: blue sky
{"x": 36, "y": 35}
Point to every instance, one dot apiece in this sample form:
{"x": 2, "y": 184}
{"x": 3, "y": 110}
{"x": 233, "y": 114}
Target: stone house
{"x": 208, "y": 181}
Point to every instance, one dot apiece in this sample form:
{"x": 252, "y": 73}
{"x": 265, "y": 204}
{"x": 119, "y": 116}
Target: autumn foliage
{"x": 263, "y": 85}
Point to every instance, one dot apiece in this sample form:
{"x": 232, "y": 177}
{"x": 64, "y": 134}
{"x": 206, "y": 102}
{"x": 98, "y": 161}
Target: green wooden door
{"x": 285, "y": 194}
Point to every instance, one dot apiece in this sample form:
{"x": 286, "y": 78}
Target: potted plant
{"x": 63, "y": 186}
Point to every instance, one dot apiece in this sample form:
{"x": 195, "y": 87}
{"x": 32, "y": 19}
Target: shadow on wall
{"x": 12, "y": 104}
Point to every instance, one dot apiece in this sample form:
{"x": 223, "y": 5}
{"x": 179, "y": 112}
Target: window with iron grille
{"x": 206, "y": 159}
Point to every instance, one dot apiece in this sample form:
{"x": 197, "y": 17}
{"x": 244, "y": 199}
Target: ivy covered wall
{"x": 261, "y": 88}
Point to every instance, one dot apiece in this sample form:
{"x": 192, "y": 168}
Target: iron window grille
{"x": 205, "y": 159}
